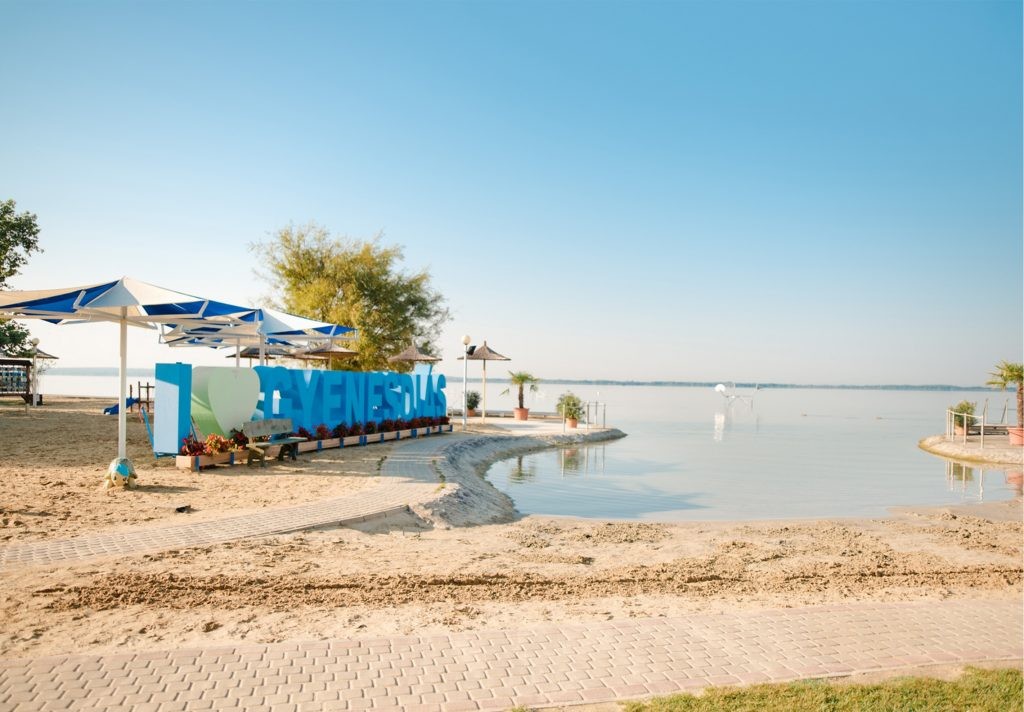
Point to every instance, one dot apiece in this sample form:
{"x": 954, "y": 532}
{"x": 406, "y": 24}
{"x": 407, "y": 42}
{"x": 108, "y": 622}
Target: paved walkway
{"x": 495, "y": 670}
{"x": 490, "y": 670}
{"x": 409, "y": 464}
{"x": 997, "y": 452}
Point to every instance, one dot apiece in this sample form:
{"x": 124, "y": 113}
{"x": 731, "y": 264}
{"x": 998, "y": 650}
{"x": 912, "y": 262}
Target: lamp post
{"x": 465, "y": 373}
{"x": 35, "y": 379}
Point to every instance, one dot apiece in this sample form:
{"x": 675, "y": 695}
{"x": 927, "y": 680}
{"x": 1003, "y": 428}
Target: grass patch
{"x": 976, "y": 690}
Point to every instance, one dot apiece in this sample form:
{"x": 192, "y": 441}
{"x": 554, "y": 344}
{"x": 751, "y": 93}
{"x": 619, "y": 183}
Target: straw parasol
{"x": 413, "y": 354}
{"x": 324, "y": 352}
{"x": 253, "y": 352}
{"x": 485, "y": 353}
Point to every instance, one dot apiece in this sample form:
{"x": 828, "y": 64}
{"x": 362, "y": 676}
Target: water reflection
{"x": 727, "y": 415}
{"x": 1015, "y": 481}
{"x": 573, "y": 480}
{"x": 968, "y": 481}
{"x": 523, "y": 471}
{"x": 575, "y": 461}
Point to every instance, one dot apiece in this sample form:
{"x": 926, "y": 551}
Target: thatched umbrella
{"x": 413, "y": 355}
{"x": 485, "y": 353}
{"x": 253, "y": 352}
{"x": 324, "y": 352}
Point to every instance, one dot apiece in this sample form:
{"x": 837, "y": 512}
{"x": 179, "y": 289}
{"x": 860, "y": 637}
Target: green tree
{"x": 521, "y": 379}
{"x": 13, "y": 339}
{"x": 356, "y": 283}
{"x": 1007, "y": 374}
{"x": 19, "y": 237}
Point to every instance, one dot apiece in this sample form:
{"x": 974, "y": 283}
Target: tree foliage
{"x": 19, "y": 237}
{"x": 519, "y": 379}
{"x": 356, "y": 283}
{"x": 14, "y": 340}
{"x": 1009, "y": 374}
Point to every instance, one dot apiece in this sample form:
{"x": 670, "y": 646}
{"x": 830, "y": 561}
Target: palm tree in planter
{"x": 521, "y": 379}
{"x": 1007, "y": 373}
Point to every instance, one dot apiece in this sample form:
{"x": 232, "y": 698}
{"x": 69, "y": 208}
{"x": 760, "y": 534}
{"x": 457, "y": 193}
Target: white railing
{"x": 592, "y": 412}
{"x": 970, "y": 422}
{"x": 958, "y": 476}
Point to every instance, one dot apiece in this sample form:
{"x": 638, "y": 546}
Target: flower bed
{"x": 218, "y": 450}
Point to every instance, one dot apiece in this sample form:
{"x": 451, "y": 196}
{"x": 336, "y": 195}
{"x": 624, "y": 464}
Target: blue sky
{"x": 819, "y": 192}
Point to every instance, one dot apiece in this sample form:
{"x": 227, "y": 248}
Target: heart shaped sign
{"x": 227, "y": 395}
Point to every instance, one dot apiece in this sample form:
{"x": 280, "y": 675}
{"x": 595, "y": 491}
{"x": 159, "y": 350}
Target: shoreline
{"x": 437, "y": 567}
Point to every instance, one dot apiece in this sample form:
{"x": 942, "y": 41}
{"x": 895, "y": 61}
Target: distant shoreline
{"x": 148, "y": 373}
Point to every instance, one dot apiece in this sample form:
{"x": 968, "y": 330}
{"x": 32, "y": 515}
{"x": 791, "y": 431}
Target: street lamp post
{"x": 35, "y": 378}
{"x": 465, "y": 373}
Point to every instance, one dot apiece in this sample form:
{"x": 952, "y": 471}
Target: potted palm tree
{"x": 1007, "y": 373}
{"x": 570, "y": 407}
{"x": 521, "y": 379}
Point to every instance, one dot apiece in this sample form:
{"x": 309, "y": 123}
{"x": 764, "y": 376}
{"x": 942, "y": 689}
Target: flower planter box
{"x": 198, "y": 462}
{"x": 311, "y": 445}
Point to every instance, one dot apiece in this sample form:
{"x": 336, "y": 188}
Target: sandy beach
{"x": 422, "y": 572}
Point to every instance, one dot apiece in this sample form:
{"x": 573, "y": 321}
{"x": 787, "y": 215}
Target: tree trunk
{"x": 521, "y": 398}
{"x": 1020, "y": 404}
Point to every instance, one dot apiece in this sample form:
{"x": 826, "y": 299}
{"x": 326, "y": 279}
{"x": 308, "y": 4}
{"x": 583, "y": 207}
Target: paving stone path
{"x": 552, "y": 664}
{"x": 408, "y": 477}
{"x": 489, "y": 670}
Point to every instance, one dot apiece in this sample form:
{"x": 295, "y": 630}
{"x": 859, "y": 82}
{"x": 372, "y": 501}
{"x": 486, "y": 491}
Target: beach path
{"x": 408, "y": 477}
{"x": 544, "y": 665}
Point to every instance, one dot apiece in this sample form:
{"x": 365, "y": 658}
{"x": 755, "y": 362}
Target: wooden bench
{"x": 277, "y": 430}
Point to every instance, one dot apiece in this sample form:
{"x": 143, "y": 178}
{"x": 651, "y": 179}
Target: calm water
{"x": 791, "y": 453}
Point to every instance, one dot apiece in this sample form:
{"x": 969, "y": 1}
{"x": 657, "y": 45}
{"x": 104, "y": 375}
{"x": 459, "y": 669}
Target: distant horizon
{"x": 453, "y": 380}
{"x": 799, "y": 190}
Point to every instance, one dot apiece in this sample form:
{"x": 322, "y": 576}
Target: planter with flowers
{"x": 327, "y": 437}
{"x": 215, "y": 450}
{"x": 218, "y": 450}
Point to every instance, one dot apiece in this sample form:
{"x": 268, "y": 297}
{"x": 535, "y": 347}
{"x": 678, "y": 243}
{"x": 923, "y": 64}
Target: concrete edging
{"x": 972, "y": 453}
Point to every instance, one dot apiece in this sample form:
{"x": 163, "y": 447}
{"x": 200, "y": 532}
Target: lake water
{"x": 790, "y": 453}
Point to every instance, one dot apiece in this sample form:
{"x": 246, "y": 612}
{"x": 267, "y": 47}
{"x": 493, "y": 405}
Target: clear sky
{"x": 824, "y": 192}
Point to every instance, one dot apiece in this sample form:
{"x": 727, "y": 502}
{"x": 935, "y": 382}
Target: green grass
{"x": 976, "y": 690}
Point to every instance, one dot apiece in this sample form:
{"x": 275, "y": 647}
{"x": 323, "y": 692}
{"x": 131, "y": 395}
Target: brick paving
{"x": 486, "y": 670}
{"x": 546, "y": 665}
{"x": 408, "y": 477}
